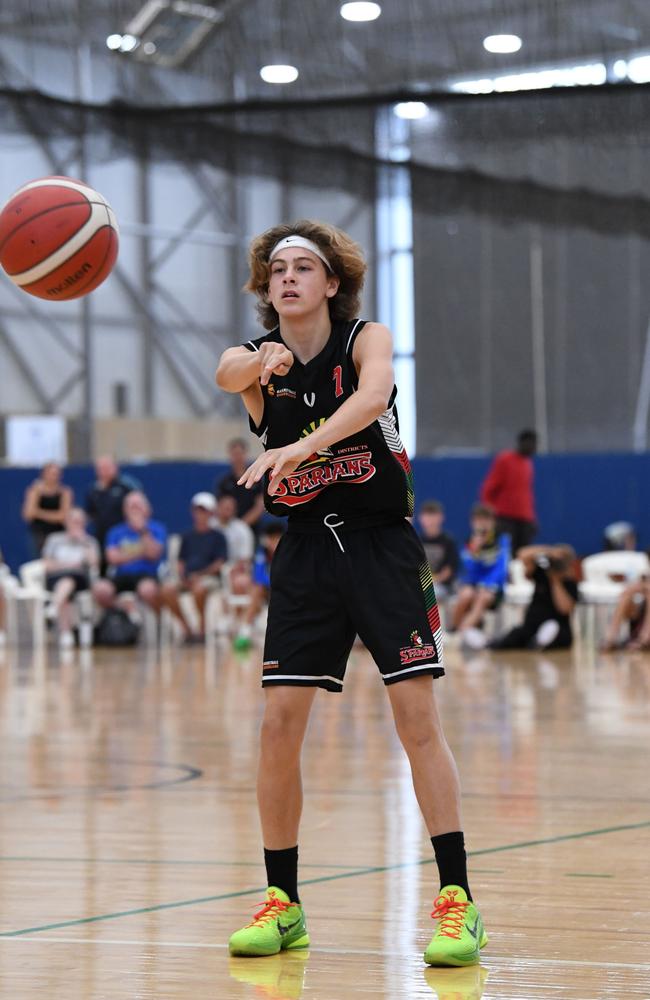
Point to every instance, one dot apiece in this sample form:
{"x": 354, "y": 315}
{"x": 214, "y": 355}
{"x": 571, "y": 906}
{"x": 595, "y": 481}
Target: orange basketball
{"x": 58, "y": 238}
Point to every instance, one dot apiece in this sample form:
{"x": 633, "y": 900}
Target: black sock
{"x": 282, "y": 871}
{"x": 451, "y": 859}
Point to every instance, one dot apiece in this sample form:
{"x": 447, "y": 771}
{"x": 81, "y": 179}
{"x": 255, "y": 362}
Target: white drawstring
{"x": 333, "y": 528}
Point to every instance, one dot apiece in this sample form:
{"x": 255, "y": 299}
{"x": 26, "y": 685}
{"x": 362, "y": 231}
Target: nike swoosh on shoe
{"x": 285, "y": 929}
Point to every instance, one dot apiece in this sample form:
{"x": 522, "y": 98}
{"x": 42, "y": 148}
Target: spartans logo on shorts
{"x": 418, "y": 650}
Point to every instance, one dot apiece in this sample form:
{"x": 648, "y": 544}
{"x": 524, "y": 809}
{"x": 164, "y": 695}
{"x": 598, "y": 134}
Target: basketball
{"x": 58, "y": 238}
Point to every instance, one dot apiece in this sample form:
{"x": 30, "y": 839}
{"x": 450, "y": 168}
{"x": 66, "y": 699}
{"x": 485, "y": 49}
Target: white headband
{"x": 300, "y": 241}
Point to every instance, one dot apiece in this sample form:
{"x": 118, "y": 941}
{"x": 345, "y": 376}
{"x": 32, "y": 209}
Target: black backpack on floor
{"x": 115, "y": 628}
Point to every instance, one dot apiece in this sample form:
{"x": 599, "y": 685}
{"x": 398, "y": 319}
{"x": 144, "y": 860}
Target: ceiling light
{"x": 149, "y": 48}
{"x": 360, "y": 11}
{"x": 279, "y": 74}
{"x": 619, "y": 69}
{"x": 129, "y": 43}
{"x": 411, "y": 109}
{"x": 502, "y": 43}
{"x": 114, "y": 41}
{"x": 583, "y": 75}
{"x": 638, "y": 69}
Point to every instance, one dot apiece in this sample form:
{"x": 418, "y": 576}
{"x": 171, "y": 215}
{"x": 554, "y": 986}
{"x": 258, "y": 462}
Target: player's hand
{"x": 275, "y": 359}
{"x": 280, "y": 461}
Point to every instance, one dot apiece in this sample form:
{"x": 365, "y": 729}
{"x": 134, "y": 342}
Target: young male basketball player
{"x": 320, "y": 393}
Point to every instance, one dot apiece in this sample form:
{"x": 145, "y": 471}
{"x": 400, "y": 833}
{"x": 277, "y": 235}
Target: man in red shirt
{"x": 508, "y": 489}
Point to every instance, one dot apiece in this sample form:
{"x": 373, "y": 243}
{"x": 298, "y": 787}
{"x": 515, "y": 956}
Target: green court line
{"x": 182, "y": 862}
{"x": 586, "y": 875}
{"x": 323, "y": 878}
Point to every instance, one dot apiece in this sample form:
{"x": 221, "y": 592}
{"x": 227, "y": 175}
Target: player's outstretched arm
{"x": 373, "y": 357}
{"x": 238, "y": 369}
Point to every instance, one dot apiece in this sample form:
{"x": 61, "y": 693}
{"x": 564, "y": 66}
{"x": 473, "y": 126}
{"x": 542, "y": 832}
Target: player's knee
{"x": 416, "y": 729}
{"x": 279, "y": 729}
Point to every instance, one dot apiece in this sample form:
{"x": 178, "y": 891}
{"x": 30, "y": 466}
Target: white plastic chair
{"x": 223, "y": 605}
{"x": 599, "y": 588}
{"x": 518, "y": 591}
{"x": 29, "y": 588}
{"x": 598, "y": 571}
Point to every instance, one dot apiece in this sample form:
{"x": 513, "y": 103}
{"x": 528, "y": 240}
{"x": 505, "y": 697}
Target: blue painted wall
{"x": 577, "y": 495}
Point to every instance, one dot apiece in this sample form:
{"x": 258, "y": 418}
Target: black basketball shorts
{"x": 329, "y": 586}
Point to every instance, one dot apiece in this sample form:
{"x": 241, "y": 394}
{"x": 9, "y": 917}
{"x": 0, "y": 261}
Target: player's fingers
{"x": 248, "y": 478}
{"x": 267, "y": 371}
{"x": 274, "y": 481}
{"x": 280, "y": 471}
{"x": 264, "y": 465}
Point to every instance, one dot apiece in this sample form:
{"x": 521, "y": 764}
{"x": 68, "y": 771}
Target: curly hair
{"x": 345, "y": 257}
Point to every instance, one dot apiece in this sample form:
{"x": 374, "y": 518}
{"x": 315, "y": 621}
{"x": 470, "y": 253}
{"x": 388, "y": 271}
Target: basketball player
{"x": 320, "y": 393}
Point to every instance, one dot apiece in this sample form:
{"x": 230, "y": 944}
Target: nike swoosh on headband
{"x": 289, "y": 242}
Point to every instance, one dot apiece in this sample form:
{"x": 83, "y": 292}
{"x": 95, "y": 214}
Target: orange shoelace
{"x": 271, "y": 907}
{"x": 451, "y": 914}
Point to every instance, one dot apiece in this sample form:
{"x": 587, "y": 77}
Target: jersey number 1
{"x": 337, "y": 376}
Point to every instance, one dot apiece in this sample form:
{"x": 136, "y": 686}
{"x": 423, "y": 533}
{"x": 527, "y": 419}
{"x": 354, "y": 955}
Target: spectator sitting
{"x": 619, "y": 537}
{"x": 105, "y": 499}
{"x": 484, "y": 573}
{"x": 249, "y": 503}
{"x": 71, "y": 557}
{"x": 440, "y": 548}
{"x": 134, "y": 552}
{"x": 46, "y": 505}
{"x": 202, "y": 553}
{"x": 633, "y": 608}
{"x": 547, "y": 622}
{"x": 508, "y": 489}
{"x": 261, "y": 582}
{"x": 239, "y": 537}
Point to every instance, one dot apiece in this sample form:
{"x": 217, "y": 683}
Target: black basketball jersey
{"x": 364, "y": 476}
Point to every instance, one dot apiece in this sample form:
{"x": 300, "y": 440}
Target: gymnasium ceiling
{"x": 415, "y": 44}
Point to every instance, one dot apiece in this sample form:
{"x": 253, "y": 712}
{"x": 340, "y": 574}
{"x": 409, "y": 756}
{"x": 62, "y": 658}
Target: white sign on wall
{"x": 35, "y": 440}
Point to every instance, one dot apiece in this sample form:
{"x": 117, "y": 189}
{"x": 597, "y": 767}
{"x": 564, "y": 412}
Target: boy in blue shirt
{"x": 484, "y": 560}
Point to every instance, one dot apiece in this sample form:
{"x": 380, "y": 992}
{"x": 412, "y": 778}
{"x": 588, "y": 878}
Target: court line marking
{"x": 190, "y": 862}
{"x": 370, "y": 952}
{"x": 586, "y": 875}
{"x": 177, "y": 904}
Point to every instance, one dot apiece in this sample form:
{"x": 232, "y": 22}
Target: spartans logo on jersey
{"x": 322, "y": 469}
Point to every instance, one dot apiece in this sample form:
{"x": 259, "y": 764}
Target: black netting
{"x": 500, "y": 185}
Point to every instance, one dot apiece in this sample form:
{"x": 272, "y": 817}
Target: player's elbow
{"x": 377, "y": 400}
{"x": 221, "y": 376}
{"x": 226, "y": 373}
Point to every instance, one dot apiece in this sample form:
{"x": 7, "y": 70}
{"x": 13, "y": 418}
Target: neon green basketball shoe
{"x": 279, "y": 925}
{"x": 460, "y": 934}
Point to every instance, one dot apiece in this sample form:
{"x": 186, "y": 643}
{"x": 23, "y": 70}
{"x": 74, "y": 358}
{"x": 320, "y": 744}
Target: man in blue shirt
{"x": 485, "y": 559}
{"x": 134, "y": 552}
{"x": 202, "y": 553}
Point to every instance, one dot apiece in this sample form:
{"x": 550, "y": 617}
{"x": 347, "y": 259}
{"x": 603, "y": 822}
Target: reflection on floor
{"x": 129, "y": 841}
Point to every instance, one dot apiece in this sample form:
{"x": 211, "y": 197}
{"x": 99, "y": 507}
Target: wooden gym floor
{"x": 129, "y": 845}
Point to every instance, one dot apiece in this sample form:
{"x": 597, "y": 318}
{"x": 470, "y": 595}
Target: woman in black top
{"x": 46, "y": 505}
